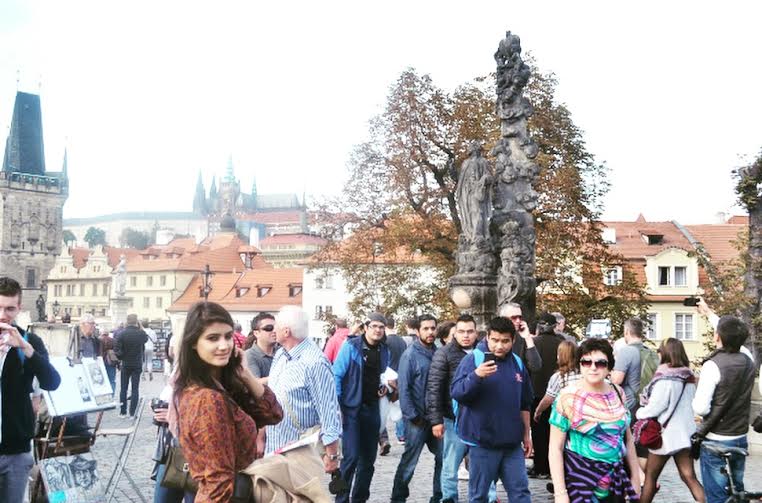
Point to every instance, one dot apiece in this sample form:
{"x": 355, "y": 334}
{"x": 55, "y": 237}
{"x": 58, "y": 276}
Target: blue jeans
{"x": 359, "y": 446}
{"x": 486, "y": 465}
{"x": 415, "y": 438}
{"x": 716, "y": 485}
{"x": 14, "y": 472}
{"x": 111, "y": 373}
{"x": 164, "y": 495}
{"x": 130, "y": 376}
{"x": 453, "y": 452}
{"x": 399, "y": 429}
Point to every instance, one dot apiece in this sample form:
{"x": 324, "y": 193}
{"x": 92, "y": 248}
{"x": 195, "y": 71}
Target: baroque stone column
{"x": 496, "y": 248}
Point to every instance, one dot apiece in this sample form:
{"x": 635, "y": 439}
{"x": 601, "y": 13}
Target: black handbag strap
{"x": 675, "y": 407}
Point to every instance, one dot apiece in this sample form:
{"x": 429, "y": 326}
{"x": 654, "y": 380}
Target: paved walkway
{"x": 139, "y": 466}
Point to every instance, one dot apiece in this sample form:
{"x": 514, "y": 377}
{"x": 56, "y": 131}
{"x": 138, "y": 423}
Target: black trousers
{"x": 130, "y": 374}
{"x": 541, "y": 439}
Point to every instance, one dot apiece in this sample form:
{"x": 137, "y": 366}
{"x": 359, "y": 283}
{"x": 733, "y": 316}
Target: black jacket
{"x": 129, "y": 346}
{"x": 731, "y": 402}
{"x": 396, "y": 346}
{"x": 18, "y": 417}
{"x": 441, "y": 373}
{"x": 547, "y": 347}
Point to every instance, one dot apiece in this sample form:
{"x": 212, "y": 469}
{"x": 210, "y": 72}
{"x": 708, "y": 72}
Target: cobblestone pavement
{"x": 139, "y": 465}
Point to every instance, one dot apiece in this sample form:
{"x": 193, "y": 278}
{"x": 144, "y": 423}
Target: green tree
{"x": 401, "y": 194}
{"x": 68, "y": 236}
{"x": 132, "y": 238}
{"x": 95, "y": 236}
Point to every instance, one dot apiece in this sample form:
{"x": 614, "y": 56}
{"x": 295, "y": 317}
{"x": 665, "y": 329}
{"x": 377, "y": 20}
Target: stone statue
{"x": 473, "y": 195}
{"x": 40, "y": 304}
{"x": 120, "y": 280}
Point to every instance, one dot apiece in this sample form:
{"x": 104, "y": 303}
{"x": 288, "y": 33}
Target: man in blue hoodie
{"x": 357, "y": 372}
{"x": 413, "y": 374}
{"x": 493, "y": 392}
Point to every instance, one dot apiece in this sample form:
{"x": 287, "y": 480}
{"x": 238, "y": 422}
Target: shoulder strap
{"x": 676, "y": 404}
{"x": 518, "y": 361}
{"x": 616, "y": 390}
{"x": 287, "y": 405}
{"x": 478, "y": 357}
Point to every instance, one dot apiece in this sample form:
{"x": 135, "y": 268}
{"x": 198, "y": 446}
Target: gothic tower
{"x": 31, "y": 203}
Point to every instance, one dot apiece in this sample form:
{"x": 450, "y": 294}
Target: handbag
{"x": 177, "y": 472}
{"x": 757, "y": 423}
{"x": 647, "y": 432}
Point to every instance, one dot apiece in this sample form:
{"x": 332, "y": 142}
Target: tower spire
{"x": 65, "y": 167}
{"x": 199, "y": 200}
{"x": 24, "y": 150}
{"x": 229, "y": 176}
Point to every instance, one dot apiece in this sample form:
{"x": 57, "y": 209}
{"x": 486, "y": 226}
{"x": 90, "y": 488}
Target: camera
{"x": 691, "y": 301}
{"x": 158, "y": 403}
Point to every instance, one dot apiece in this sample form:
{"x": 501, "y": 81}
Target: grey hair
{"x": 635, "y": 327}
{"x": 559, "y": 317}
{"x": 504, "y": 308}
{"x": 294, "y": 318}
{"x": 87, "y": 318}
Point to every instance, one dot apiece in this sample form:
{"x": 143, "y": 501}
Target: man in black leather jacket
{"x": 439, "y": 411}
{"x": 129, "y": 346}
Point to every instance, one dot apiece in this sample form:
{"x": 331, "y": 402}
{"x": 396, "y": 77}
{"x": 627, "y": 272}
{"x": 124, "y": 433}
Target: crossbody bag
{"x": 647, "y": 432}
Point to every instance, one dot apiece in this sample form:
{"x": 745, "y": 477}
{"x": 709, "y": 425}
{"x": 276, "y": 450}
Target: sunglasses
{"x": 267, "y": 328}
{"x": 599, "y": 364}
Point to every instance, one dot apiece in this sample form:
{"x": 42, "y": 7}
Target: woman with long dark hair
{"x": 220, "y": 404}
{"x": 668, "y": 398}
{"x": 590, "y": 441}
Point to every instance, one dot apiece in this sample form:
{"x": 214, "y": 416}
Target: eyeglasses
{"x": 599, "y": 364}
{"x": 267, "y": 328}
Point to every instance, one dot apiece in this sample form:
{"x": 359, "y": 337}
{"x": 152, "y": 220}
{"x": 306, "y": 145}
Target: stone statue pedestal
{"x": 118, "y": 310}
{"x": 475, "y": 294}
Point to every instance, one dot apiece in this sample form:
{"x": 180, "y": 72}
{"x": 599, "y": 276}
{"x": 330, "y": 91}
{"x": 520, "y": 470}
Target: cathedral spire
{"x": 65, "y": 167}
{"x": 24, "y": 150}
{"x": 199, "y": 200}
{"x": 213, "y": 189}
{"x": 229, "y": 176}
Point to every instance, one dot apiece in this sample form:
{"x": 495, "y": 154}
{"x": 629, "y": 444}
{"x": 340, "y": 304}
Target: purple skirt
{"x": 589, "y": 480}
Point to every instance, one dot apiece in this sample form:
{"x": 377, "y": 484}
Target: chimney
{"x": 720, "y": 217}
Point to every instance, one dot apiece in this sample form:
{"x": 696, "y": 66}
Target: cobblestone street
{"x": 139, "y": 465}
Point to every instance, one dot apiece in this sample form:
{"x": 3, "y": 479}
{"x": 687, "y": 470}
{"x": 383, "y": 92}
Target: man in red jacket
{"x": 333, "y": 345}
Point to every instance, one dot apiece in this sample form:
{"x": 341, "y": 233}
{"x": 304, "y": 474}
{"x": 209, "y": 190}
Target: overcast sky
{"x": 148, "y": 93}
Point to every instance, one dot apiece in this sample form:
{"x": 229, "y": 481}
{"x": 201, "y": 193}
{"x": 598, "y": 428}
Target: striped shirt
{"x": 302, "y": 380}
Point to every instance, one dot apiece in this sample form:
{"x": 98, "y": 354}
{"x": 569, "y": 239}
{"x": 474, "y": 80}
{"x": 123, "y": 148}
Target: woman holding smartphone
{"x": 220, "y": 404}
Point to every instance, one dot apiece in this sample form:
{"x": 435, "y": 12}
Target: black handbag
{"x": 757, "y": 423}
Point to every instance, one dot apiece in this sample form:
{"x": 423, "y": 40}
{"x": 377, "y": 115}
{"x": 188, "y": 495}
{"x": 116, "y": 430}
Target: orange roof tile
{"x": 630, "y": 243}
{"x": 718, "y": 239}
{"x": 739, "y": 220}
{"x": 228, "y": 289}
{"x": 79, "y": 256}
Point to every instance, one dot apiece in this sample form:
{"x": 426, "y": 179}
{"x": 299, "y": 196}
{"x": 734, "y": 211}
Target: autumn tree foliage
{"x": 400, "y": 197}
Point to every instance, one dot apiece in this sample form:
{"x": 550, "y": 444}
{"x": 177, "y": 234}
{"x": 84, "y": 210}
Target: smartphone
{"x": 691, "y": 301}
{"x": 489, "y": 357}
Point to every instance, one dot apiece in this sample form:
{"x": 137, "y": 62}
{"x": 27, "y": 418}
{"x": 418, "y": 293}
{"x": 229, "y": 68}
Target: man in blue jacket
{"x": 493, "y": 392}
{"x": 413, "y": 374}
{"x": 357, "y": 372}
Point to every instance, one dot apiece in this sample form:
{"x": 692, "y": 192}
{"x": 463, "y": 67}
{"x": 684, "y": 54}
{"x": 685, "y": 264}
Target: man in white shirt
{"x": 148, "y": 350}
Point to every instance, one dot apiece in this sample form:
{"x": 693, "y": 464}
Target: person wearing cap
{"x": 129, "y": 346}
{"x": 357, "y": 374}
{"x": 546, "y": 342}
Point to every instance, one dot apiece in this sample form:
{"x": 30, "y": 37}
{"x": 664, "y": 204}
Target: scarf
{"x": 586, "y": 478}
{"x": 682, "y": 374}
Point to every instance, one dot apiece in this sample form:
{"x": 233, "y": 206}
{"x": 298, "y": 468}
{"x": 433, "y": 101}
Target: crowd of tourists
{"x": 599, "y": 421}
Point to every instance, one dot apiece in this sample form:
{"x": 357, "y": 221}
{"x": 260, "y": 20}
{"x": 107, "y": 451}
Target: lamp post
{"x": 56, "y": 308}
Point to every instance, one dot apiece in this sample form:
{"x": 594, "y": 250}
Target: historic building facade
{"x": 31, "y": 203}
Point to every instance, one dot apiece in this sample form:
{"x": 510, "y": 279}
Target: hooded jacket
{"x": 488, "y": 410}
{"x": 347, "y": 372}
{"x": 413, "y": 374}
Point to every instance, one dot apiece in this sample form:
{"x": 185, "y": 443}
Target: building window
{"x": 163, "y": 280}
{"x": 31, "y": 278}
{"x": 318, "y": 312}
{"x": 68, "y": 290}
{"x": 684, "y": 327}
{"x": 105, "y": 289}
{"x": 664, "y": 276}
{"x": 94, "y": 289}
{"x": 319, "y": 283}
{"x": 328, "y": 310}
{"x": 681, "y": 276}
{"x": 651, "y": 327}
{"x": 329, "y": 281}
{"x": 81, "y": 289}
{"x": 134, "y": 281}
{"x": 263, "y": 290}
{"x": 294, "y": 290}
{"x": 146, "y": 302}
{"x": 79, "y": 311}
{"x": 132, "y": 302}
{"x": 159, "y": 302}
{"x": 149, "y": 280}
{"x": 612, "y": 276}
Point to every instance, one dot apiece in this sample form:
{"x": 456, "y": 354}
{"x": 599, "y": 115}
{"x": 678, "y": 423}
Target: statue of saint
{"x": 473, "y": 195}
{"x": 120, "y": 280}
{"x": 40, "y": 304}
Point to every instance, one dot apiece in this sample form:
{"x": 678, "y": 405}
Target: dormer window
{"x": 263, "y": 290}
{"x": 294, "y": 290}
{"x": 652, "y": 238}
{"x": 612, "y": 276}
{"x": 240, "y": 292}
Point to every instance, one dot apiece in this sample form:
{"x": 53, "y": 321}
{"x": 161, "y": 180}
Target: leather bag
{"x": 177, "y": 472}
{"x": 647, "y": 432}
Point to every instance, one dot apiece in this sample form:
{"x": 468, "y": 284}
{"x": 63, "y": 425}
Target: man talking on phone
{"x": 523, "y": 346}
{"x": 22, "y": 358}
{"x": 494, "y": 395}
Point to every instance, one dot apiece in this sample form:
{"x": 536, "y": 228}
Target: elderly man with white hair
{"x": 302, "y": 379}
{"x": 83, "y": 339}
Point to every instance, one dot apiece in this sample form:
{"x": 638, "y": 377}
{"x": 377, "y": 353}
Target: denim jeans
{"x": 416, "y": 437}
{"x": 453, "y": 452}
{"x": 399, "y": 429}
{"x": 111, "y": 373}
{"x": 359, "y": 445}
{"x": 14, "y": 472}
{"x": 163, "y": 495}
{"x": 716, "y": 484}
{"x": 130, "y": 376}
{"x": 486, "y": 465}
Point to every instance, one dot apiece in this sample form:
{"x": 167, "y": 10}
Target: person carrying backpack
{"x": 634, "y": 368}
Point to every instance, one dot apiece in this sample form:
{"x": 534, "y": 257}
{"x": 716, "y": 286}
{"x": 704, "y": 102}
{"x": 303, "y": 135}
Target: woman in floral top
{"x": 590, "y": 439}
{"x": 219, "y": 403}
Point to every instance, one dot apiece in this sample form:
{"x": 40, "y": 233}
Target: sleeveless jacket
{"x": 731, "y": 403}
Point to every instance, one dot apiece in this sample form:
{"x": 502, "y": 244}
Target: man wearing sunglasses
{"x": 259, "y": 357}
{"x": 523, "y": 346}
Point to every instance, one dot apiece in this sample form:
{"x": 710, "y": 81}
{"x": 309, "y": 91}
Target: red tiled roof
{"x": 739, "y": 220}
{"x": 630, "y": 243}
{"x": 226, "y": 288}
{"x": 79, "y": 256}
{"x": 718, "y": 239}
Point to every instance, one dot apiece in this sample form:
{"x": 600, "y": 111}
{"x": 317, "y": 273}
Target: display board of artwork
{"x": 84, "y": 387}
{"x": 72, "y": 479}
{"x": 159, "y": 350}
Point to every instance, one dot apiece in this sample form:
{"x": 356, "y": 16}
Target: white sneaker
{"x": 462, "y": 473}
